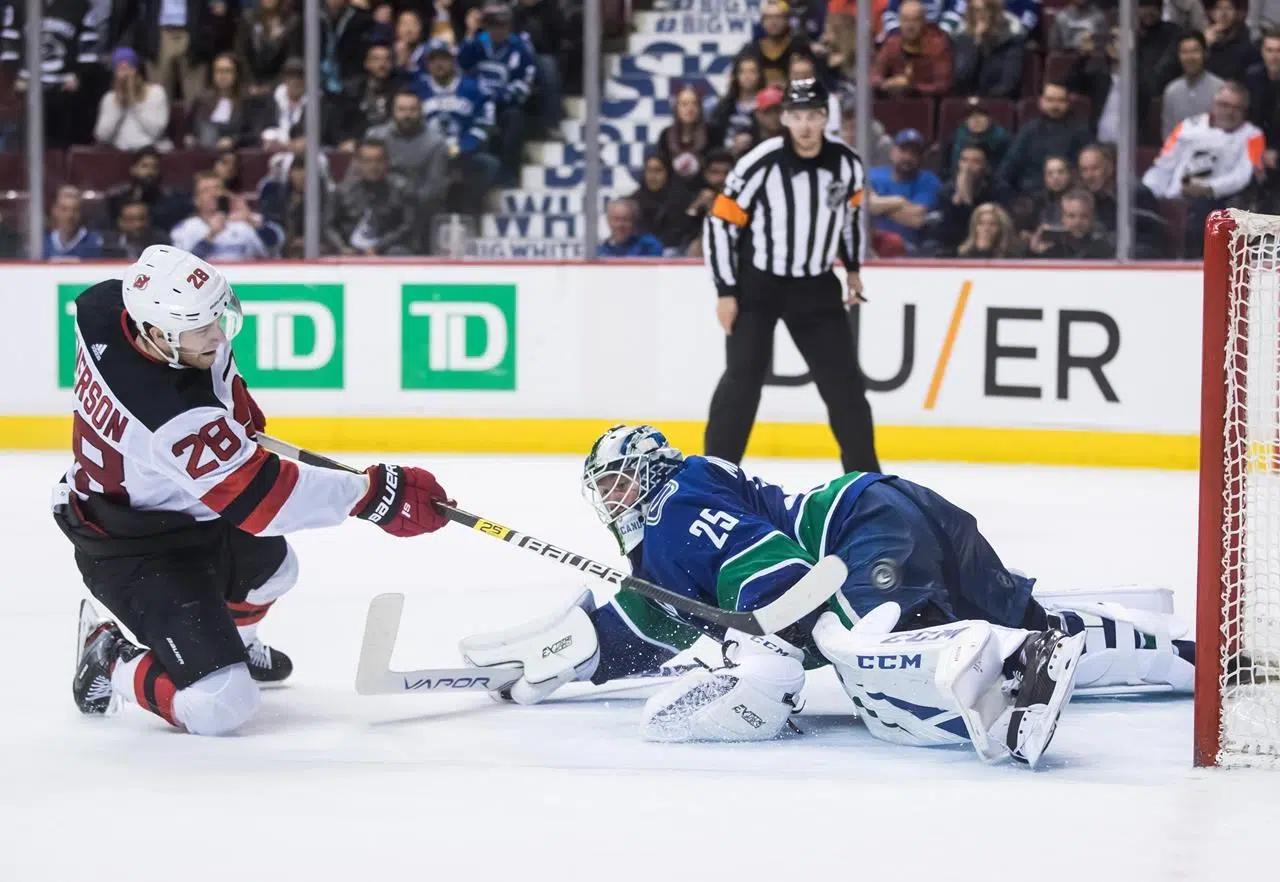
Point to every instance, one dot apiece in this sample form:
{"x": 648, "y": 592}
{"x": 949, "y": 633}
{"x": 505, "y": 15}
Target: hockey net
{"x": 1238, "y": 595}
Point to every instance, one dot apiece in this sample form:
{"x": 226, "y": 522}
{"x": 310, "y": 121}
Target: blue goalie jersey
{"x": 718, "y": 536}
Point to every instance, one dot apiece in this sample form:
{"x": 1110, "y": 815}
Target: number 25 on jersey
{"x": 715, "y": 525}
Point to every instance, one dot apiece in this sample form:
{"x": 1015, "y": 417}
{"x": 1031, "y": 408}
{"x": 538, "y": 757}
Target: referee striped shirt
{"x": 786, "y": 215}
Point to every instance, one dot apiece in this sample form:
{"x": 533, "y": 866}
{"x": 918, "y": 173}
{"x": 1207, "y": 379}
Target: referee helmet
{"x": 805, "y": 94}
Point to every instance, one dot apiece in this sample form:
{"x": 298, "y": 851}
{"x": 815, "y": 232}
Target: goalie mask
{"x": 625, "y": 469}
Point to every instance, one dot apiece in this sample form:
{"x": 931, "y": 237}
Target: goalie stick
{"x": 374, "y": 675}
{"x": 812, "y": 590}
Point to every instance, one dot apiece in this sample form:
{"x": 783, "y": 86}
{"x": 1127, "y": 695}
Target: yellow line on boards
{"x": 948, "y": 343}
{"x": 787, "y": 440}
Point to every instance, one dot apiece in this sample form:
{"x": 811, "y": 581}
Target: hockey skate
{"x": 1044, "y": 671}
{"x": 99, "y": 645}
{"x": 268, "y": 665}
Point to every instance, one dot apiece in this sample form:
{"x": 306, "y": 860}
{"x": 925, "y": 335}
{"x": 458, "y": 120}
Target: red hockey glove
{"x": 246, "y": 410}
{"x": 400, "y": 500}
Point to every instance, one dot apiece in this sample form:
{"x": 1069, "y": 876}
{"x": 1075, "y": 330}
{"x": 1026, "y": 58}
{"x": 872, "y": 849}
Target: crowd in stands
{"x": 184, "y": 120}
{"x": 997, "y": 123}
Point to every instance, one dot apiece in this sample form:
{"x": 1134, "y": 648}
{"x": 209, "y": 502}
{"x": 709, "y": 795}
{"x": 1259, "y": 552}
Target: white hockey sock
{"x": 122, "y": 678}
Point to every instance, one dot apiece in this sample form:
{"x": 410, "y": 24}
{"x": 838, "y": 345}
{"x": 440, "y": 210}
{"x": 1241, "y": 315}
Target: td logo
{"x": 458, "y": 337}
{"x": 292, "y": 336}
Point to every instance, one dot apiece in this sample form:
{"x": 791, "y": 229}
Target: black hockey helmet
{"x": 805, "y": 94}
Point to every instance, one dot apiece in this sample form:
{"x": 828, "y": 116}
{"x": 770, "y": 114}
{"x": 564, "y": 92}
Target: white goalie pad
{"x": 941, "y": 685}
{"x": 1128, "y": 649}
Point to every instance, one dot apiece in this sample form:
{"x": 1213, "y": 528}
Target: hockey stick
{"x": 374, "y": 675}
{"x": 810, "y": 592}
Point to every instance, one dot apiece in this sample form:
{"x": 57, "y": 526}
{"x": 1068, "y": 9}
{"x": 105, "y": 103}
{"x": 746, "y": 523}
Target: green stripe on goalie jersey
{"x": 811, "y": 525}
{"x": 652, "y": 624}
{"x": 771, "y": 553}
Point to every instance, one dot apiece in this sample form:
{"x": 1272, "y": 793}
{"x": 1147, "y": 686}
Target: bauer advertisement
{"x": 961, "y": 363}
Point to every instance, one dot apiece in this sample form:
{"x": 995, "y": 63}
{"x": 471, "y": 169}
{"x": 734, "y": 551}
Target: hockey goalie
{"x": 932, "y": 637}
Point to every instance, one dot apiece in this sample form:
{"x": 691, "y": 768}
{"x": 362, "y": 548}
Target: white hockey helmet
{"x": 624, "y": 470}
{"x": 176, "y": 291}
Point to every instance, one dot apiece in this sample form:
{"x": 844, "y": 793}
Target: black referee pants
{"x": 813, "y": 311}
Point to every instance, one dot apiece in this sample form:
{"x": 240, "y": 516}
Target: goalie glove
{"x": 751, "y": 697}
{"x": 551, "y": 651}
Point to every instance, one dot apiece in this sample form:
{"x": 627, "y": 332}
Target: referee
{"x": 788, "y": 208}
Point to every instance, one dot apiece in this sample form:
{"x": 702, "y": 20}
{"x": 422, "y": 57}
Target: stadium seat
{"x": 177, "y": 169}
{"x": 1057, "y": 67}
{"x": 1144, "y": 157}
{"x": 177, "y": 124}
{"x": 338, "y": 162}
{"x": 13, "y": 208}
{"x": 13, "y": 170}
{"x": 253, "y": 167}
{"x": 906, "y": 113}
{"x": 1029, "y": 109}
{"x": 91, "y": 168}
{"x": 1174, "y": 212}
{"x": 952, "y": 112}
{"x": 1150, "y": 133}
{"x": 1032, "y": 73}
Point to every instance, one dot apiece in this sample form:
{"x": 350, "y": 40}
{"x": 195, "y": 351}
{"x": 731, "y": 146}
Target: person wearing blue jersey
{"x": 504, "y": 64}
{"x": 932, "y": 637}
{"x": 458, "y": 108}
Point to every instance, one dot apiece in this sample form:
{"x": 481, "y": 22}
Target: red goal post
{"x": 1237, "y": 700}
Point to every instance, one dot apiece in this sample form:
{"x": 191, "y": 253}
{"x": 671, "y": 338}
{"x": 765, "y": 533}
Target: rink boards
{"x": 1029, "y": 364}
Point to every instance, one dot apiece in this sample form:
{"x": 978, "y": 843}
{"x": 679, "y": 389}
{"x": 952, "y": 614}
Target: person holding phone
{"x": 1076, "y": 238}
{"x": 223, "y": 228}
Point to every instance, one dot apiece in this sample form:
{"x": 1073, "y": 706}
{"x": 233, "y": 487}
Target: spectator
{"x": 133, "y": 234}
{"x": 1053, "y": 133}
{"x": 227, "y": 168}
{"x": 773, "y": 48}
{"x": 419, "y": 154}
{"x": 1097, "y": 175}
{"x": 223, "y": 117}
{"x": 914, "y": 61}
{"x": 1156, "y": 63}
{"x": 1076, "y": 21}
{"x": 946, "y": 14}
{"x": 176, "y": 39}
{"x": 841, "y": 37}
{"x": 805, "y": 67}
{"x": 1207, "y": 160}
{"x": 143, "y": 185}
{"x": 1192, "y": 93}
{"x": 623, "y": 239}
{"x": 768, "y": 115}
{"x": 445, "y": 23}
{"x": 459, "y": 110}
{"x": 67, "y": 68}
{"x": 1231, "y": 51}
{"x": 1186, "y": 15}
{"x": 223, "y": 228}
{"x": 1264, "y": 16}
{"x": 543, "y": 23}
{"x": 68, "y": 238}
{"x": 660, "y": 203}
{"x": 1096, "y": 75}
{"x": 881, "y": 152}
{"x": 367, "y": 97}
{"x": 683, "y": 144}
{"x": 345, "y": 34}
{"x": 282, "y": 202}
{"x": 719, "y": 164}
{"x": 991, "y": 235}
{"x": 733, "y": 113}
{"x": 905, "y": 178}
{"x": 266, "y": 38}
{"x": 410, "y": 49}
{"x": 135, "y": 113}
{"x": 1076, "y": 239}
{"x": 979, "y": 128}
{"x": 502, "y": 63}
{"x": 289, "y": 106}
{"x": 1263, "y": 83}
{"x": 372, "y": 212}
{"x": 955, "y": 203}
{"x": 988, "y": 51}
{"x": 1043, "y": 209}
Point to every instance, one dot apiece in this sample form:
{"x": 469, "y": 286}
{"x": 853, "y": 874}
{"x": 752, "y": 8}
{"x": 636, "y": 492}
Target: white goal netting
{"x": 1250, "y": 634}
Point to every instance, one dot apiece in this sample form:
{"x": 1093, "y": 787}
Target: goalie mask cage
{"x": 1237, "y": 703}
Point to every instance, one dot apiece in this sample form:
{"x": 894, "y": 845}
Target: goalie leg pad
{"x": 1128, "y": 647}
{"x": 551, "y": 651}
{"x": 751, "y": 698}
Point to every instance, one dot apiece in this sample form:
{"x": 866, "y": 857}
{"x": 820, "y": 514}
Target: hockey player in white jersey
{"x": 176, "y": 514}
{"x": 933, "y": 639}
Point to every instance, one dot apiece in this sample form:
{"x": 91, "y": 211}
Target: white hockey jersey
{"x": 155, "y": 437}
{"x": 1221, "y": 160}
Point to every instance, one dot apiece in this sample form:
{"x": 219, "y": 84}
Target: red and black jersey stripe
{"x": 254, "y": 493}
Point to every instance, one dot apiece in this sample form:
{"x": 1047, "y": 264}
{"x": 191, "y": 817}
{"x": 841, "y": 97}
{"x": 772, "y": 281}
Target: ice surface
{"x": 328, "y": 785}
